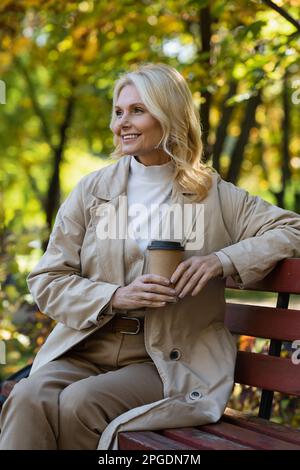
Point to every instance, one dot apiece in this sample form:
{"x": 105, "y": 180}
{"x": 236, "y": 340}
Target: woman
{"x": 98, "y": 373}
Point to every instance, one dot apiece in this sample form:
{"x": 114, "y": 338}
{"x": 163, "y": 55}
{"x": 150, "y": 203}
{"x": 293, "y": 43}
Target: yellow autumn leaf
{"x": 20, "y": 44}
{"x": 91, "y": 49}
{"x": 6, "y": 42}
{"x": 40, "y": 340}
{"x": 65, "y": 44}
{"x": 5, "y": 59}
{"x": 79, "y": 32}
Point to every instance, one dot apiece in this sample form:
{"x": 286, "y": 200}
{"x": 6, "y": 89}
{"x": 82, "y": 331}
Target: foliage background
{"x": 59, "y": 61}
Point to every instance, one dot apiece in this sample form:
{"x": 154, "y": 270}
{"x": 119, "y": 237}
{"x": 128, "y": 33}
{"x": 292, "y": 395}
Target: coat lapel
{"x": 110, "y": 196}
{"x": 189, "y": 212}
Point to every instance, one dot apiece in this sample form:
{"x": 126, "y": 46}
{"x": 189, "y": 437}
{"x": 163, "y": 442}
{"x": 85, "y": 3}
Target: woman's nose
{"x": 124, "y": 122}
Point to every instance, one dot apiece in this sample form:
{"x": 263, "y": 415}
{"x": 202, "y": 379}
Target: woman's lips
{"x": 131, "y": 139}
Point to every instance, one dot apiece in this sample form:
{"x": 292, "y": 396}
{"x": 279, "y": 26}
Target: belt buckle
{"x": 137, "y": 329}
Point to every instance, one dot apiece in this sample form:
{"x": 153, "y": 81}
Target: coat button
{"x": 175, "y": 354}
{"x": 194, "y": 395}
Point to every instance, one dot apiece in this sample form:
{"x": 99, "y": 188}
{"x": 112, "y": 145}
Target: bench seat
{"x": 235, "y": 431}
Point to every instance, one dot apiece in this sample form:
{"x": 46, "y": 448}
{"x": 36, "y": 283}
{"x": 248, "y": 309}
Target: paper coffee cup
{"x": 164, "y": 257}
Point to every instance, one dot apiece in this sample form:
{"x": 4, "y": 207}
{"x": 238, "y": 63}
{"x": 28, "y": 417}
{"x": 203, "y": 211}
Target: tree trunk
{"x": 53, "y": 194}
{"x": 221, "y": 133}
{"x": 285, "y": 172}
{"x": 205, "y": 32}
{"x": 246, "y": 126}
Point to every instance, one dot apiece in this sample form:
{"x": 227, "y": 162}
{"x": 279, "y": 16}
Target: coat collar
{"x": 114, "y": 180}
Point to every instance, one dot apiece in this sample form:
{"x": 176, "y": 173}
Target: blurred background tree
{"x": 59, "y": 61}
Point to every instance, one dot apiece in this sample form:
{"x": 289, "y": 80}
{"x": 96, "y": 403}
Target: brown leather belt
{"x": 125, "y": 325}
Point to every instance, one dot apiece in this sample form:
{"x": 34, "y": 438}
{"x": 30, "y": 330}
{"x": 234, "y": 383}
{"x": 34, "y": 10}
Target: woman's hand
{"x": 192, "y": 274}
{"x": 148, "y": 290}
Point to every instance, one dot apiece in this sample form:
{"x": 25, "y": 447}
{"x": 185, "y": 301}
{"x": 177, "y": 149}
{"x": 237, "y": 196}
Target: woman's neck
{"x": 159, "y": 159}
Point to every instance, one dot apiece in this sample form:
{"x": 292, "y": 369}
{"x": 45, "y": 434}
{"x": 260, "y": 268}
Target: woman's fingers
{"x": 190, "y": 285}
{"x": 156, "y": 292}
{"x": 158, "y": 297}
{"x": 199, "y": 286}
{"x": 149, "y": 304}
{"x": 181, "y": 268}
{"x": 155, "y": 279}
{"x": 149, "y": 291}
{"x": 192, "y": 277}
{"x": 159, "y": 289}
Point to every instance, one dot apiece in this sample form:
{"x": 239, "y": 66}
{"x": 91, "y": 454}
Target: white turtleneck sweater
{"x": 152, "y": 186}
{"x": 147, "y": 186}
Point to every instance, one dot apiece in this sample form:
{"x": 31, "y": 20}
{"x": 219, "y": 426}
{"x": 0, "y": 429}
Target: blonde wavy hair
{"x": 165, "y": 92}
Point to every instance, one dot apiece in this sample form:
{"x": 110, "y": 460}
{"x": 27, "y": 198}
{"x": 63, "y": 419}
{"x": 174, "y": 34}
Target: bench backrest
{"x": 279, "y": 324}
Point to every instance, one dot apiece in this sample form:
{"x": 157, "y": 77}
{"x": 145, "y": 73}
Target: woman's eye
{"x": 118, "y": 113}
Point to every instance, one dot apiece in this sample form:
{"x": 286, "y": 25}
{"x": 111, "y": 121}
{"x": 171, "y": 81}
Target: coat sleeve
{"x": 56, "y": 283}
{"x": 262, "y": 234}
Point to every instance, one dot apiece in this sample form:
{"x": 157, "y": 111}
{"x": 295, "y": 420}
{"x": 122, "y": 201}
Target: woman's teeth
{"x": 130, "y": 137}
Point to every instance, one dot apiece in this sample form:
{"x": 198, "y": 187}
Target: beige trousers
{"x": 67, "y": 403}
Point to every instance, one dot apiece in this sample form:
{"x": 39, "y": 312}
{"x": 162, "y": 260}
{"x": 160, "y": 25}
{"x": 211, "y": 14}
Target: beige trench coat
{"x": 75, "y": 279}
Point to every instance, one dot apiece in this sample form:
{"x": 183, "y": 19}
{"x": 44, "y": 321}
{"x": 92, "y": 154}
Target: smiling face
{"x": 138, "y": 130}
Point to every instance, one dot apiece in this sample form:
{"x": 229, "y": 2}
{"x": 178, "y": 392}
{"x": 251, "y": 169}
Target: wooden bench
{"x": 269, "y": 372}
{"x": 236, "y": 430}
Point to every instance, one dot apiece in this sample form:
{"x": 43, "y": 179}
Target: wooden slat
{"x": 264, "y": 322}
{"x": 202, "y": 440}
{"x": 248, "y": 437}
{"x": 148, "y": 440}
{"x": 268, "y": 372}
{"x": 285, "y": 277}
{"x": 261, "y": 425}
